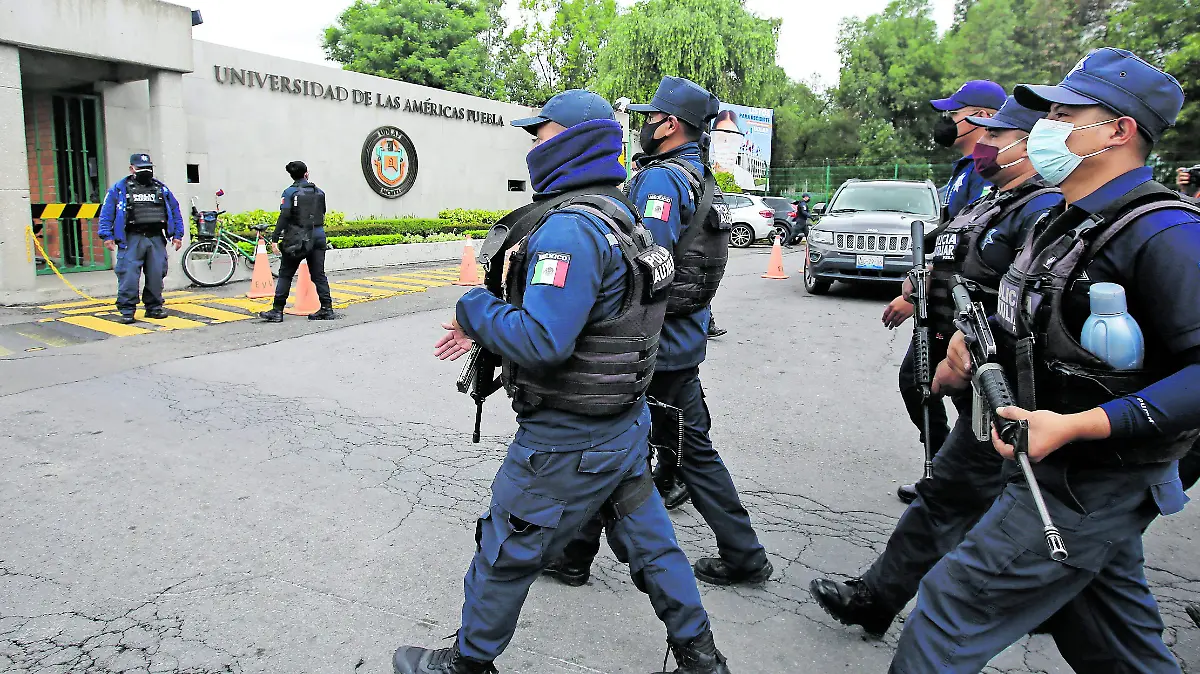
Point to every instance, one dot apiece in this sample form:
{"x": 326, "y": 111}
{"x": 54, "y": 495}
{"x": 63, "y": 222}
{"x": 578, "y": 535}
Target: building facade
{"x": 86, "y": 83}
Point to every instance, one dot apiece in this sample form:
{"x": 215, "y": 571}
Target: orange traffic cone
{"x": 307, "y": 301}
{"x": 468, "y": 270}
{"x": 261, "y": 283}
{"x": 775, "y": 267}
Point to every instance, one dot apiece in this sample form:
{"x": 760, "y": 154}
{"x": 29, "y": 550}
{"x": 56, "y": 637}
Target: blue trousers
{"x": 999, "y": 583}
{"x": 967, "y": 478}
{"x": 540, "y": 499}
{"x": 138, "y": 254}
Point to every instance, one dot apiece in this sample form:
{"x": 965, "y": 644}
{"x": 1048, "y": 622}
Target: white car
{"x": 752, "y": 218}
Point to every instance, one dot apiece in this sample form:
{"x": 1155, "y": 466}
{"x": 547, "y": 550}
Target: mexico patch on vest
{"x": 658, "y": 206}
{"x": 551, "y": 269}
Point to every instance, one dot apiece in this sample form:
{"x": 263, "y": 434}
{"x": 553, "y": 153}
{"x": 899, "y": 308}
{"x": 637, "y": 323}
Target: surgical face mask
{"x": 144, "y": 176}
{"x": 649, "y": 143}
{"x": 987, "y": 158}
{"x": 1048, "y": 151}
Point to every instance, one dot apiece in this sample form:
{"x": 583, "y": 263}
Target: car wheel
{"x": 741, "y": 236}
{"x": 812, "y": 283}
{"x": 782, "y": 232}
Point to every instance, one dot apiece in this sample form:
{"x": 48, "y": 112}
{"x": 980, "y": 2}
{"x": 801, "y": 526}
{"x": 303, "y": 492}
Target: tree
{"x": 564, "y": 49}
{"x": 437, "y": 43}
{"x": 520, "y": 82}
{"x": 892, "y": 65}
{"x": 717, "y": 44}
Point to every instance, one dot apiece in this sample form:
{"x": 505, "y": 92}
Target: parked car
{"x": 863, "y": 234}
{"x": 752, "y": 219}
{"x": 785, "y": 216}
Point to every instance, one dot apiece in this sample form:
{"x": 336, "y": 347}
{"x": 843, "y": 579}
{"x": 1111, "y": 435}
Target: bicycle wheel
{"x": 209, "y": 263}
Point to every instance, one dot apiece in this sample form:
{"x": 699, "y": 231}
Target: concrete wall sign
{"x": 312, "y": 89}
{"x": 389, "y": 162}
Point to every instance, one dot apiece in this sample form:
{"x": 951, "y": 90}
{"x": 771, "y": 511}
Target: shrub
{"x": 727, "y": 183}
{"x": 476, "y": 233}
{"x": 473, "y": 218}
{"x": 389, "y": 239}
{"x": 378, "y": 227}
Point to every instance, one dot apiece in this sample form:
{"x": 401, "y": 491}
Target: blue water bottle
{"x": 1110, "y": 333}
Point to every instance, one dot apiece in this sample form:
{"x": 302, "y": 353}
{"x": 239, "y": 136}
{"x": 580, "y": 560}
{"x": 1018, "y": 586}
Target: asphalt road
{"x": 302, "y": 497}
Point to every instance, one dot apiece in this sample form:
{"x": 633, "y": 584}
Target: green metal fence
{"x": 822, "y": 181}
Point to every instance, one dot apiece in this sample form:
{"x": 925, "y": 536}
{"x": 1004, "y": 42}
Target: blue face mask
{"x": 1048, "y": 151}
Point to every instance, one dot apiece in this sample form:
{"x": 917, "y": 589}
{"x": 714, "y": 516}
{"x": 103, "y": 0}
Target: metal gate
{"x": 74, "y": 147}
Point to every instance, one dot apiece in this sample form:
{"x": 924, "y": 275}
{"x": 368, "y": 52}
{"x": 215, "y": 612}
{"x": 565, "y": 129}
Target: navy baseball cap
{"x": 1012, "y": 115}
{"x": 571, "y": 107}
{"x": 1118, "y": 80}
{"x": 140, "y": 161}
{"x": 684, "y": 99}
{"x": 977, "y": 93}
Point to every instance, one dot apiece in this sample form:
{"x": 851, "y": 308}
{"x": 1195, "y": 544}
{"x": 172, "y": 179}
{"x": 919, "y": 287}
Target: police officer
{"x": 978, "y": 98}
{"x": 800, "y": 223}
{"x": 979, "y": 244}
{"x": 578, "y": 338}
{"x": 675, "y": 192}
{"x": 1105, "y": 442}
{"x": 138, "y": 215}
{"x": 301, "y": 229}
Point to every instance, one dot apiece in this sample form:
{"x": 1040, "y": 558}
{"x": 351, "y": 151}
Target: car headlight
{"x": 821, "y": 236}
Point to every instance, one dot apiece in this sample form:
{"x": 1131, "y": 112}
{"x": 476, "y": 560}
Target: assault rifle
{"x": 991, "y": 386}
{"x": 478, "y": 376}
{"x": 924, "y": 370}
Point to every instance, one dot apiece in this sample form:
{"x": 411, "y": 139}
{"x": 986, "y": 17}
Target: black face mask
{"x": 650, "y": 144}
{"x": 144, "y": 176}
{"x": 945, "y": 131}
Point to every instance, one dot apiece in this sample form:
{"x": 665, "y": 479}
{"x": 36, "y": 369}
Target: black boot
{"x": 415, "y": 660}
{"x": 713, "y": 330}
{"x": 156, "y": 313}
{"x": 568, "y": 574}
{"x": 698, "y": 656}
{"x": 675, "y": 493}
{"x": 275, "y": 315}
{"x": 322, "y": 314}
{"x": 1193, "y": 610}
{"x": 907, "y": 493}
{"x": 714, "y": 571}
{"x": 852, "y": 604}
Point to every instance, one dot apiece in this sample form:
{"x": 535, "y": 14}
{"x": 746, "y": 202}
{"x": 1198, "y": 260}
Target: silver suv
{"x": 862, "y": 234}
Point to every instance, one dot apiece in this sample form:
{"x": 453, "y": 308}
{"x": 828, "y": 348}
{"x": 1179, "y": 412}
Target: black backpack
{"x": 308, "y": 213}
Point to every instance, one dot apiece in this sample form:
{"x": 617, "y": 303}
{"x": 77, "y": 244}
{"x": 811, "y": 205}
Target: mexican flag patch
{"x": 658, "y": 207}
{"x": 551, "y": 269}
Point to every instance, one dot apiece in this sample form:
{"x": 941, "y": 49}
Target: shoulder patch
{"x": 550, "y": 269}
{"x": 658, "y": 206}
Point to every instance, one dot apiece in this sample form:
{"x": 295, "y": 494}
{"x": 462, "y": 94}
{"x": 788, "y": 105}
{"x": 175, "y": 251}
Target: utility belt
{"x": 148, "y": 229}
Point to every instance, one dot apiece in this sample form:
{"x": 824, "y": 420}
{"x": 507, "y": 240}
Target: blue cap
{"x": 1012, "y": 115}
{"x": 684, "y": 99}
{"x": 1107, "y": 299}
{"x": 1118, "y": 80}
{"x": 140, "y": 161}
{"x": 976, "y": 93}
{"x": 571, "y": 107}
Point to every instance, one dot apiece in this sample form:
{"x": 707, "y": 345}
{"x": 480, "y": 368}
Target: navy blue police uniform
{"x": 315, "y": 256}
{"x": 570, "y": 277}
{"x": 665, "y": 196}
{"x": 979, "y": 244}
{"x": 1000, "y": 582}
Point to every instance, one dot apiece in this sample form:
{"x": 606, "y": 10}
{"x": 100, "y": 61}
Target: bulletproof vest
{"x": 703, "y": 249}
{"x": 956, "y": 251}
{"x": 145, "y": 208}
{"x": 610, "y": 369}
{"x": 1051, "y": 369}
{"x": 307, "y": 212}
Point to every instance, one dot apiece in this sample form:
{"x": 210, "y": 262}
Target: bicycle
{"x": 211, "y": 259}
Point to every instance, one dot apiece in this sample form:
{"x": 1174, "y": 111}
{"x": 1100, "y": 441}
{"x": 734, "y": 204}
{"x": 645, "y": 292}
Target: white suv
{"x": 752, "y": 219}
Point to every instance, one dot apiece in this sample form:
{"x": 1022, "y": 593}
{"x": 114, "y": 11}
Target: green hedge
{"x": 473, "y": 218}
{"x": 388, "y": 240}
{"x": 727, "y": 183}
{"x": 378, "y": 227}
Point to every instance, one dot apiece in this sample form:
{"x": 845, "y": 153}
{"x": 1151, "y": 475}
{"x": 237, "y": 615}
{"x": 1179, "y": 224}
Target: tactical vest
{"x": 145, "y": 208}
{"x": 957, "y": 252}
{"x": 610, "y": 369}
{"x": 307, "y": 213}
{"x": 1051, "y": 369}
{"x": 702, "y": 251}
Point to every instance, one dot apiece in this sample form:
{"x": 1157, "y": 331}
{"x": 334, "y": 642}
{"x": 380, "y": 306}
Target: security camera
{"x": 196, "y": 18}
{"x": 622, "y": 104}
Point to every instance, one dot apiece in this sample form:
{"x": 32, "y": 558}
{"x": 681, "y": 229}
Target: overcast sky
{"x": 292, "y": 28}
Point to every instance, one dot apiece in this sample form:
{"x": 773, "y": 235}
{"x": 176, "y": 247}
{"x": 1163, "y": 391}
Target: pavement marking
{"x": 346, "y": 297}
{"x": 391, "y": 286}
{"x": 218, "y": 315}
{"x": 100, "y": 325}
{"x": 408, "y": 278}
{"x": 49, "y": 340}
{"x": 365, "y": 290}
{"x": 170, "y": 322}
{"x": 5, "y": 352}
{"x": 77, "y": 303}
{"x": 253, "y": 306}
